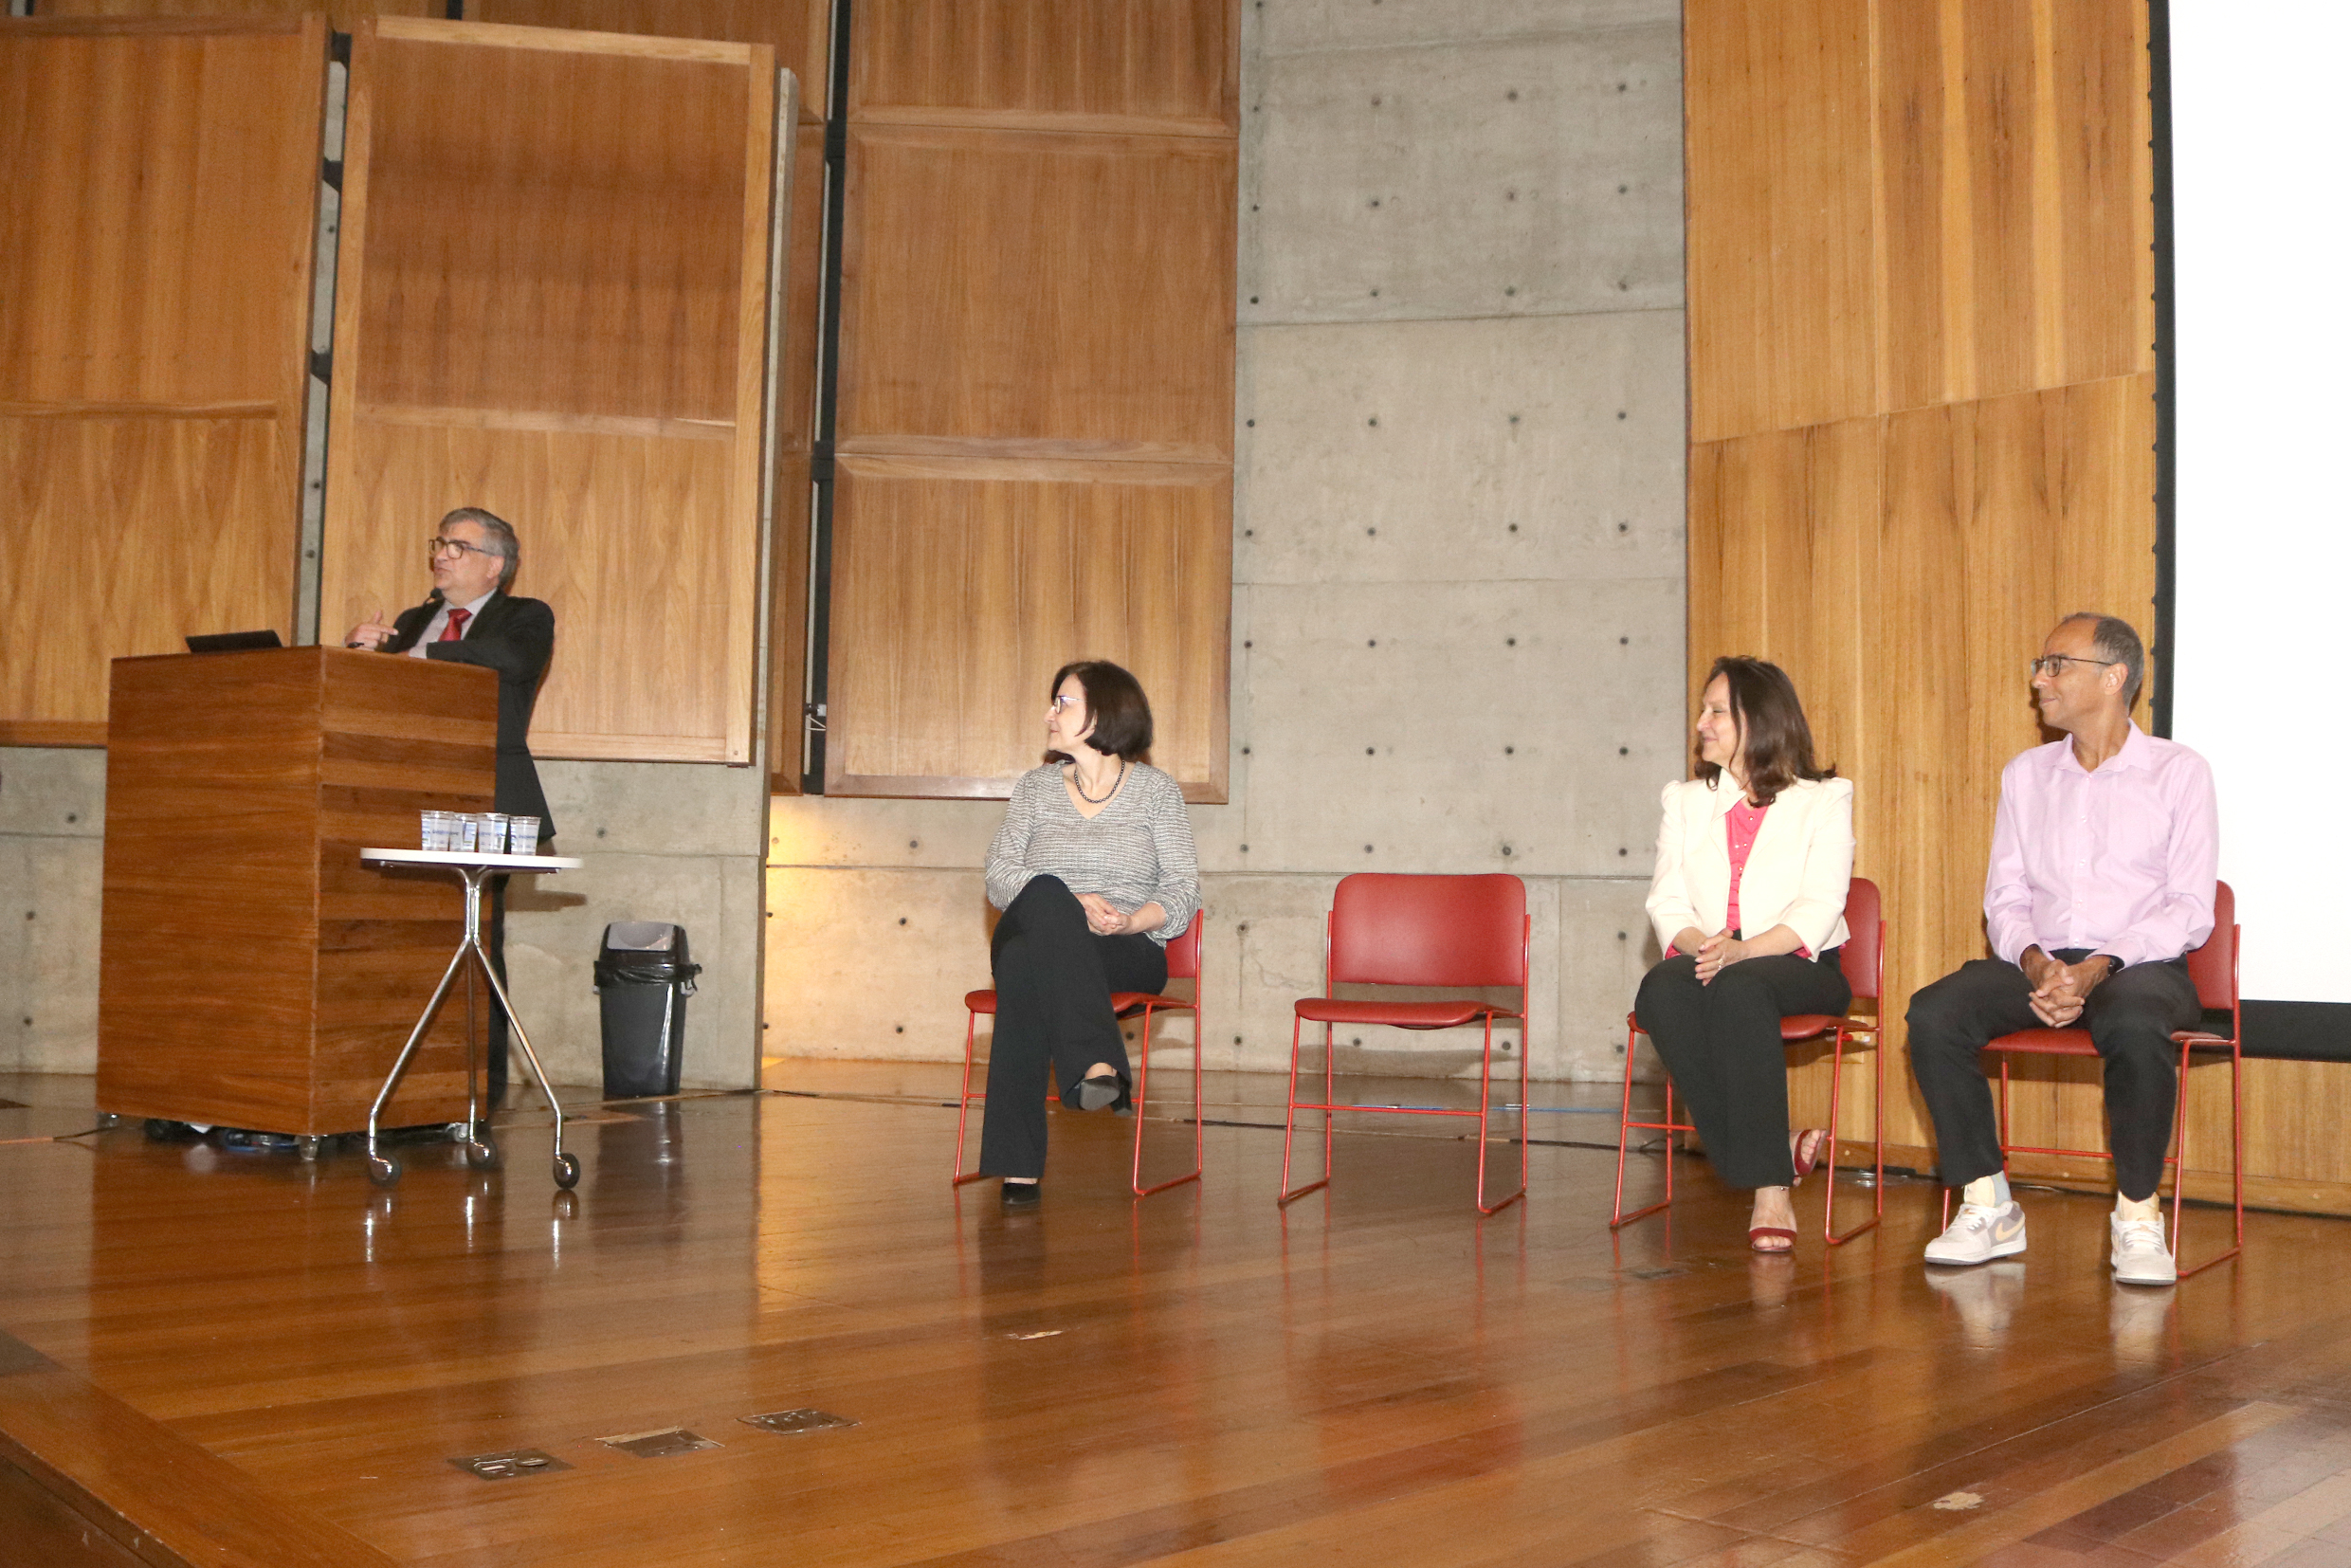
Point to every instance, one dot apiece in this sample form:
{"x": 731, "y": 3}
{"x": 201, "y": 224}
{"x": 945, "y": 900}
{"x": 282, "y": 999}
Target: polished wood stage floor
{"x": 221, "y": 1357}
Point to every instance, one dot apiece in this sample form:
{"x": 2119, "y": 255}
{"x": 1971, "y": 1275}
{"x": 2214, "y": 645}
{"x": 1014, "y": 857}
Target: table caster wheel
{"x": 383, "y": 1170}
{"x": 482, "y": 1155}
{"x": 567, "y": 1170}
{"x": 308, "y": 1148}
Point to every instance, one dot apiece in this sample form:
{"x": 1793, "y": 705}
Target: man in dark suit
{"x": 471, "y": 618}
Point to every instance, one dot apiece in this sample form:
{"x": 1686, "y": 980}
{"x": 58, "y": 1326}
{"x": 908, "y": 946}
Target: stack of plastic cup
{"x": 489, "y": 833}
{"x": 437, "y": 828}
{"x": 522, "y": 835}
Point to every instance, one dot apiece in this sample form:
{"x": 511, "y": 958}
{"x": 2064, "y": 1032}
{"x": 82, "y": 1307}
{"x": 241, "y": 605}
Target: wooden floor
{"x": 224, "y": 1358}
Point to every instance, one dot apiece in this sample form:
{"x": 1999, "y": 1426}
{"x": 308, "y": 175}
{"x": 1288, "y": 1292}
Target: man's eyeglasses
{"x": 2055, "y": 663}
{"x": 437, "y": 547}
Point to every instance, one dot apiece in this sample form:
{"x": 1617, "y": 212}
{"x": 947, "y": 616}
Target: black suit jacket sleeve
{"x": 514, "y": 638}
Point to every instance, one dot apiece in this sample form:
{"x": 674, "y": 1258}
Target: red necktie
{"x": 455, "y": 630}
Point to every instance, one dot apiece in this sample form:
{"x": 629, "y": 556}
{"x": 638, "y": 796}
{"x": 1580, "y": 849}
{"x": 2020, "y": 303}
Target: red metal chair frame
{"x": 1183, "y": 963}
{"x": 1390, "y": 929}
{"x": 1863, "y": 961}
{"x": 2214, "y": 968}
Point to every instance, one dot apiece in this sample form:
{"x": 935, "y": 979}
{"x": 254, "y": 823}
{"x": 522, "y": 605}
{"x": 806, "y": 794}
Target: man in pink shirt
{"x": 2103, "y": 856}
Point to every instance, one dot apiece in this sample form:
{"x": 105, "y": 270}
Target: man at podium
{"x": 471, "y": 618}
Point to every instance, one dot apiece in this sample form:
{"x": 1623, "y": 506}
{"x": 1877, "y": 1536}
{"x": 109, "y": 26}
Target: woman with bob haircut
{"x": 1748, "y": 901}
{"x": 1095, "y": 871}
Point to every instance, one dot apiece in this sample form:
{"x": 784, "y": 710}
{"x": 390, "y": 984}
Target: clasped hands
{"x": 2060, "y": 989}
{"x": 1713, "y": 954}
{"x": 1104, "y": 918}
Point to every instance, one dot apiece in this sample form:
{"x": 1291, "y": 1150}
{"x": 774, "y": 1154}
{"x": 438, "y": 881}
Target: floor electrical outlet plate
{"x": 788, "y": 1422}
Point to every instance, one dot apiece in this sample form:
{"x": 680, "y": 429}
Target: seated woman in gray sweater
{"x": 1095, "y": 871}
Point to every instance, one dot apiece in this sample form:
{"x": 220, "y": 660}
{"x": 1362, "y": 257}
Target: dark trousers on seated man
{"x": 2130, "y": 1015}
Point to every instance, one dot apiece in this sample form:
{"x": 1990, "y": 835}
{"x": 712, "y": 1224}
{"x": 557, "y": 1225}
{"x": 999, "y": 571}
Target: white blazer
{"x": 1797, "y": 874}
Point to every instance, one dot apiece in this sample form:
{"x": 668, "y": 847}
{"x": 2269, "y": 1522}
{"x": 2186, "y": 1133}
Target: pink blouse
{"x": 1743, "y": 821}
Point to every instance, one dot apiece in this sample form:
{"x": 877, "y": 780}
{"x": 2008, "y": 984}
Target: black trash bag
{"x": 643, "y": 976}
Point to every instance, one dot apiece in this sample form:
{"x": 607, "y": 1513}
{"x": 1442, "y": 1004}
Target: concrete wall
{"x": 52, "y": 816}
{"x": 1458, "y": 597}
{"x": 662, "y": 841}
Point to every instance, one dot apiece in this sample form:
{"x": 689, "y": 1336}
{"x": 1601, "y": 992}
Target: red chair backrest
{"x": 1183, "y": 954}
{"x": 1863, "y": 957}
{"x": 1391, "y": 929}
{"x": 2213, "y": 967}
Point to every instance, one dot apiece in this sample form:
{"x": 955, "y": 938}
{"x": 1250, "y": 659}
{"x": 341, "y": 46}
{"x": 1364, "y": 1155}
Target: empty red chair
{"x": 1863, "y": 961}
{"x": 1443, "y": 931}
{"x": 2213, "y": 967}
{"x": 1183, "y": 963}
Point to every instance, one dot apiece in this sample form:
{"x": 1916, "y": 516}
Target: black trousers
{"x": 495, "y": 1089}
{"x": 496, "y": 1085}
{"x": 1720, "y": 1042}
{"x": 2130, "y": 1017}
{"x": 1055, "y": 978}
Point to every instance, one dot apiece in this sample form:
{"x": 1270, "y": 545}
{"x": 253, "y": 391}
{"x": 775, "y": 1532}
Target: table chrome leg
{"x": 383, "y": 1171}
{"x": 567, "y": 1166}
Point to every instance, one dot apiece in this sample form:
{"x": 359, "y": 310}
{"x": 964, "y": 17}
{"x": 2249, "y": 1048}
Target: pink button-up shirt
{"x": 2121, "y": 861}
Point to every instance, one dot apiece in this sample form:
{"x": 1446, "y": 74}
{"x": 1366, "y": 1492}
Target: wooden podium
{"x": 252, "y": 972}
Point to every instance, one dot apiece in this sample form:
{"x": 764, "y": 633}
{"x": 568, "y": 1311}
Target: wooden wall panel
{"x": 556, "y": 307}
{"x": 1902, "y": 474}
{"x": 343, "y": 14}
{"x": 158, "y": 187}
{"x": 122, "y": 535}
{"x": 1052, "y": 558}
{"x": 1064, "y": 65}
{"x": 2015, "y": 193}
{"x": 800, "y": 31}
{"x": 1903, "y": 569}
{"x": 1899, "y": 203}
{"x": 1036, "y": 383}
{"x": 641, "y": 555}
{"x": 1075, "y": 324}
{"x": 563, "y": 255}
{"x": 1780, "y": 230}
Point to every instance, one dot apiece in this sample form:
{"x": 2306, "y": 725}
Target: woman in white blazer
{"x": 1748, "y": 901}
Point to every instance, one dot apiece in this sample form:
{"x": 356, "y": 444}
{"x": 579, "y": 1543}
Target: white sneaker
{"x": 2138, "y": 1254}
{"x": 1978, "y": 1234}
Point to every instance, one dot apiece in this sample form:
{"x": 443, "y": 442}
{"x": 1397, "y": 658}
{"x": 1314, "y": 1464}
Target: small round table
{"x": 480, "y": 1152}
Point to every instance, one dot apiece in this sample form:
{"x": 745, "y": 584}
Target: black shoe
{"x": 1023, "y": 1194}
{"x": 1100, "y": 1094}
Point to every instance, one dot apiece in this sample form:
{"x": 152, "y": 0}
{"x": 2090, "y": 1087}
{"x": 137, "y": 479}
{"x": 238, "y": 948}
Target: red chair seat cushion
{"x": 1122, "y": 1002}
{"x": 2046, "y": 1042}
{"x": 1804, "y": 1025}
{"x": 1336, "y": 1009}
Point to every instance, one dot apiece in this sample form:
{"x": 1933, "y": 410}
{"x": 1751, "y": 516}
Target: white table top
{"x": 468, "y": 857}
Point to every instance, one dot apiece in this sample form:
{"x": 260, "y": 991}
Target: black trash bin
{"x": 642, "y": 979}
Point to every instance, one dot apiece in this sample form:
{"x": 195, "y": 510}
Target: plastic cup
{"x": 462, "y": 832}
{"x": 489, "y": 833}
{"x": 522, "y": 835}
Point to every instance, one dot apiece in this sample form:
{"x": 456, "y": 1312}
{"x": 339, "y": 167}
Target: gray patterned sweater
{"x": 1135, "y": 850}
